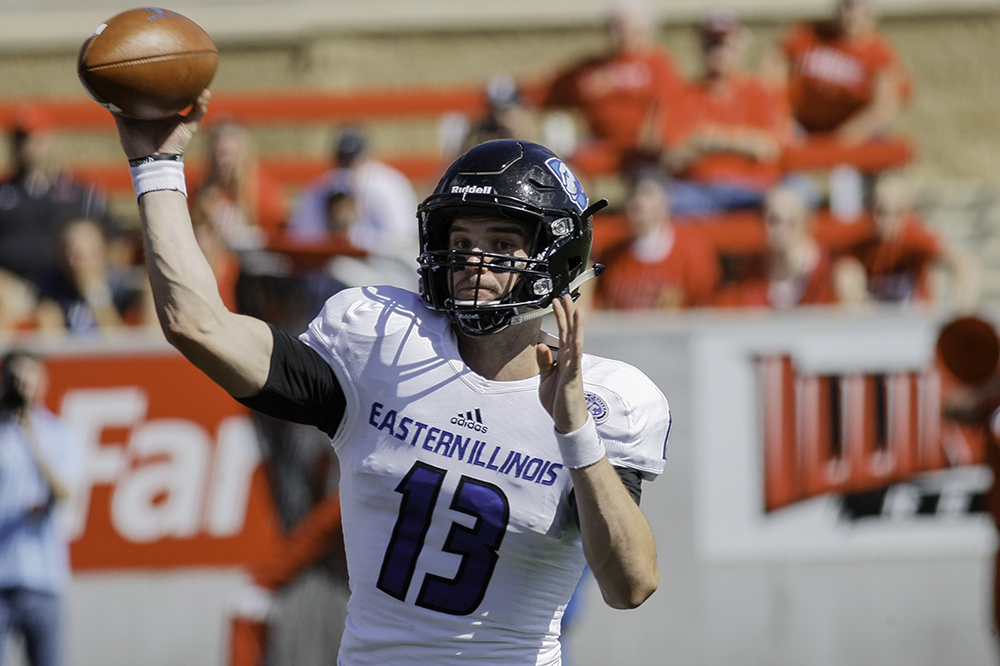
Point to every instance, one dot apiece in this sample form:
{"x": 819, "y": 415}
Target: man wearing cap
{"x": 39, "y": 199}
{"x": 725, "y": 132}
{"x": 384, "y": 197}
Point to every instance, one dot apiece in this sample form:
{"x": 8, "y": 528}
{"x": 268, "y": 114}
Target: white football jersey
{"x": 461, "y": 544}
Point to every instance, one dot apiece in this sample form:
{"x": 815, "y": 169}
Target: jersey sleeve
{"x": 301, "y": 387}
{"x": 632, "y": 416}
{"x": 356, "y": 333}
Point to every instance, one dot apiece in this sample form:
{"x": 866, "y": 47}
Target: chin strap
{"x": 588, "y": 274}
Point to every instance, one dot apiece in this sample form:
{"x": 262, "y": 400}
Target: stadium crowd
{"x": 691, "y": 153}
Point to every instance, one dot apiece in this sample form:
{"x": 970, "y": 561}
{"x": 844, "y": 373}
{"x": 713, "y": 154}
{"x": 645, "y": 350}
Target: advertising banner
{"x": 824, "y": 437}
{"x": 172, "y": 475}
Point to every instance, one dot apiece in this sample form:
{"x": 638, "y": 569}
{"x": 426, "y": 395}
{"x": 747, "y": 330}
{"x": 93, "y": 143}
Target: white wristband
{"x": 582, "y": 447}
{"x": 157, "y": 175}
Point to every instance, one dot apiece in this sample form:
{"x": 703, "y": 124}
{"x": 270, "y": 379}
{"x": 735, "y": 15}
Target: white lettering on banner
{"x": 89, "y": 412}
{"x": 163, "y": 498}
{"x": 236, "y": 458}
{"x": 162, "y": 484}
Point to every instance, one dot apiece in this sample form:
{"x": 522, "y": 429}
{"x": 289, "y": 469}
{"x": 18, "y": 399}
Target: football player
{"x": 480, "y": 468}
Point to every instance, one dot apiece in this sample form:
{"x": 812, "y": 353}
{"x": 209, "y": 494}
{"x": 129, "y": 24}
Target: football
{"x": 147, "y": 63}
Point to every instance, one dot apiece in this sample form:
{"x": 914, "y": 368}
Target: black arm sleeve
{"x": 301, "y": 387}
{"x": 631, "y": 479}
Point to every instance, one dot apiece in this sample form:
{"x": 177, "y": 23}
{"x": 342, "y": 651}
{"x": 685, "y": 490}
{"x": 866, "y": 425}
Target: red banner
{"x": 171, "y": 470}
{"x": 852, "y": 433}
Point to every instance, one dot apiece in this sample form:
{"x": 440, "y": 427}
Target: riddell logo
{"x": 472, "y": 420}
{"x": 472, "y": 189}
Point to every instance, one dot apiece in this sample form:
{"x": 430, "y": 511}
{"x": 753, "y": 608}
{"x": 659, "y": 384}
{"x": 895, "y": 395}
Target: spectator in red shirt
{"x": 622, "y": 94}
{"x": 794, "y": 270}
{"x": 725, "y": 131}
{"x": 661, "y": 265}
{"x": 843, "y": 76}
{"x": 899, "y": 256}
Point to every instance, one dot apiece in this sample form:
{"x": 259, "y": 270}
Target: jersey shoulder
{"x": 354, "y": 320}
{"x": 632, "y": 414}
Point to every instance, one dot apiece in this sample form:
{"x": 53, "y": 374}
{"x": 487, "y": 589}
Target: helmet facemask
{"x": 499, "y": 180}
{"x": 532, "y": 286}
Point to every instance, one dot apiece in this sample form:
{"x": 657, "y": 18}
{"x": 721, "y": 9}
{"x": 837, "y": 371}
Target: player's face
{"x": 477, "y": 282}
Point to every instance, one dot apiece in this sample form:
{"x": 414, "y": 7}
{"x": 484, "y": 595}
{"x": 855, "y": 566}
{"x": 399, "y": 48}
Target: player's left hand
{"x": 561, "y": 387}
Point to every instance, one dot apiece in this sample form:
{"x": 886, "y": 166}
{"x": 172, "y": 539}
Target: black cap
{"x": 350, "y": 145}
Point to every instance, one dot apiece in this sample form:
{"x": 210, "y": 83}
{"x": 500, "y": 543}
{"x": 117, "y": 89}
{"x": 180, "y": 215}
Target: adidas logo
{"x": 472, "y": 420}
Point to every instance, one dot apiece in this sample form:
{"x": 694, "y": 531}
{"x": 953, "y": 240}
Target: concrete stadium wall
{"x": 904, "y": 592}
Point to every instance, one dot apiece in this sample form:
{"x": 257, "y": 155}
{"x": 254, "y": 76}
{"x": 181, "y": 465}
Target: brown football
{"x": 147, "y": 63}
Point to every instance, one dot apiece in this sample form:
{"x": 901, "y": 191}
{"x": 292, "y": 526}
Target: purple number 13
{"x": 477, "y": 545}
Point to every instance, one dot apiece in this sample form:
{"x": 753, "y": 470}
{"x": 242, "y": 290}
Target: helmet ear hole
{"x": 574, "y": 263}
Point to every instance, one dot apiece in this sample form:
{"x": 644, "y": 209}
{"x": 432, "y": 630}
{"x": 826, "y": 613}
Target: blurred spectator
{"x": 843, "y": 76}
{"x": 622, "y": 94}
{"x": 725, "y": 132}
{"x": 224, "y": 262}
{"x": 294, "y": 608}
{"x": 86, "y": 292}
{"x": 236, "y": 197}
{"x": 507, "y": 115}
{"x": 41, "y": 462}
{"x": 18, "y": 300}
{"x": 385, "y": 204}
{"x": 794, "y": 270}
{"x": 661, "y": 265}
{"x": 898, "y": 257}
{"x": 39, "y": 198}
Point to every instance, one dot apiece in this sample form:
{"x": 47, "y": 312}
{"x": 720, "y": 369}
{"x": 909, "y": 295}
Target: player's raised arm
{"x": 617, "y": 540}
{"x": 233, "y": 350}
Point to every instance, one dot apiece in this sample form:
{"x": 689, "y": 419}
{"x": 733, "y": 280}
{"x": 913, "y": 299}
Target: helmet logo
{"x": 569, "y": 181}
{"x": 472, "y": 189}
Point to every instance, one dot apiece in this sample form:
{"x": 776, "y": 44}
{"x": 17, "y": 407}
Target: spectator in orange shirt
{"x": 843, "y": 76}
{"x": 794, "y": 270}
{"x": 899, "y": 256}
{"x": 236, "y": 197}
{"x": 661, "y": 265}
{"x": 622, "y": 94}
{"x": 725, "y": 131}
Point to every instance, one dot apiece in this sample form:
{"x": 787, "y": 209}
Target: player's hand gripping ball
{"x": 147, "y": 63}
